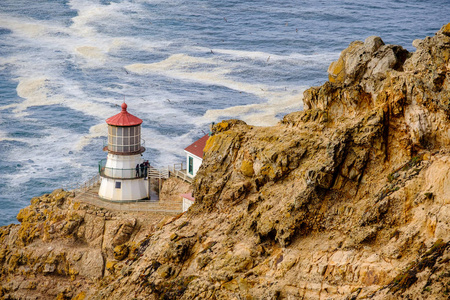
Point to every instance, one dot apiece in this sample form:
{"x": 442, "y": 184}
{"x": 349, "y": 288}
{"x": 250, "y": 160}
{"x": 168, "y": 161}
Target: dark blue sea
{"x": 66, "y": 66}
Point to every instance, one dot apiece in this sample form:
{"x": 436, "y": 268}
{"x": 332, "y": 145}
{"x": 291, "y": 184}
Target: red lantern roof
{"x": 124, "y": 118}
{"x": 197, "y": 147}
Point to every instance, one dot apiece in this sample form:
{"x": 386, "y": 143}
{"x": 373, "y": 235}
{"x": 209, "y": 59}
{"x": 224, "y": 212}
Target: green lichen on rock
{"x": 407, "y": 278}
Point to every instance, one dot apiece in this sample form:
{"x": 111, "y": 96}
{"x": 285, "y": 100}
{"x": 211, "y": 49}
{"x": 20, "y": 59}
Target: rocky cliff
{"x": 348, "y": 199}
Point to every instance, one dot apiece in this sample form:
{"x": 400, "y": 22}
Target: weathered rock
{"x": 124, "y": 232}
{"x": 121, "y": 251}
{"x": 364, "y": 60}
{"x": 92, "y": 264}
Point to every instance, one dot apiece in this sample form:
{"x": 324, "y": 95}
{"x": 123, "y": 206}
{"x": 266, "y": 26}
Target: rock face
{"x": 348, "y": 199}
{"x": 62, "y": 247}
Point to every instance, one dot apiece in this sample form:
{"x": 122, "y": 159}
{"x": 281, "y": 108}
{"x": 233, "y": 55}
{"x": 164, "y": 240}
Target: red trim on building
{"x": 197, "y": 147}
{"x": 124, "y": 118}
{"x": 188, "y": 196}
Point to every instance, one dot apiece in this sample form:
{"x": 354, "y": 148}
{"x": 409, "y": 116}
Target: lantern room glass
{"x": 124, "y": 139}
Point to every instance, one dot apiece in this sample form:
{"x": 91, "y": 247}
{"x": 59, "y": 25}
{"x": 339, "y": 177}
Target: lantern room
{"x": 124, "y": 139}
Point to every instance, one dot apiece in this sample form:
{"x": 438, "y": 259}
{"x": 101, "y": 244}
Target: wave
{"x": 34, "y": 91}
{"x": 27, "y": 28}
{"x": 91, "y": 52}
{"x": 293, "y": 58}
{"x": 188, "y": 68}
{"x": 181, "y": 66}
{"x": 262, "y": 114}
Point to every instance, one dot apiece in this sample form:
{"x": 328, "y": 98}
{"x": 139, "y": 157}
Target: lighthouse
{"x": 123, "y": 175}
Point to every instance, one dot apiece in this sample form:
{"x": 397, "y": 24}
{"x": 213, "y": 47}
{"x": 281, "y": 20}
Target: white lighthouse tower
{"x": 122, "y": 177}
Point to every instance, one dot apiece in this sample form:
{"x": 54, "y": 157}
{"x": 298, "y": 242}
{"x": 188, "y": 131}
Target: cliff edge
{"x": 348, "y": 199}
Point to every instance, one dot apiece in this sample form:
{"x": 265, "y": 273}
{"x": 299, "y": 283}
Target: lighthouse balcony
{"x": 117, "y": 173}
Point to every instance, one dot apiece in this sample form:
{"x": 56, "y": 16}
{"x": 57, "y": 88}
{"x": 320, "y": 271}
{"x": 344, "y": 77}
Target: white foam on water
{"x": 258, "y": 55}
{"x": 34, "y": 91}
{"x": 80, "y": 39}
{"x": 26, "y": 28}
{"x": 34, "y": 71}
{"x": 4, "y": 137}
{"x": 179, "y": 61}
{"x": 91, "y": 52}
{"x": 91, "y": 15}
{"x": 213, "y": 71}
{"x": 293, "y": 58}
{"x": 180, "y": 66}
{"x": 96, "y": 131}
{"x": 48, "y": 153}
{"x": 171, "y": 147}
{"x": 259, "y": 114}
{"x": 89, "y": 12}
{"x": 88, "y": 106}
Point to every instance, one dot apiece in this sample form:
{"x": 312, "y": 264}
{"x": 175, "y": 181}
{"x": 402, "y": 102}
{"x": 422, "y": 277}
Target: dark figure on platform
{"x": 137, "y": 170}
{"x": 146, "y": 164}
{"x": 142, "y": 170}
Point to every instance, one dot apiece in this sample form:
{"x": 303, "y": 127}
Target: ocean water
{"x": 66, "y": 66}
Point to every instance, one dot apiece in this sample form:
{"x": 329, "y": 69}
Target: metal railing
{"x": 150, "y": 171}
{"x": 121, "y": 173}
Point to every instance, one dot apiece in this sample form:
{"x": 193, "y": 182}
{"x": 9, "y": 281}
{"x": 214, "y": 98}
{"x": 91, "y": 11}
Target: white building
{"x": 122, "y": 177}
{"x": 188, "y": 200}
{"x": 194, "y": 156}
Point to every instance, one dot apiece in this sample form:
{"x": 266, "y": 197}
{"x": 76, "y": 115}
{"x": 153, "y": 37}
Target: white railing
{"x": 178, "y": 170}
{"x": 158, "y": 173}
{"x": 183, "y": 175}
{"x": 94, "y": 181}
{"x": 85, "y": 186}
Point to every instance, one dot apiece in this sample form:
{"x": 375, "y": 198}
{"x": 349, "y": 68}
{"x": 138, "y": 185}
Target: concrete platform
{"x": 91, "y": 197}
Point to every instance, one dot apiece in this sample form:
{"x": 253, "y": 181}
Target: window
{"x": 124, "y": 139}
{"x": 118, "y": 184}
{"x": 191, "y": 165}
